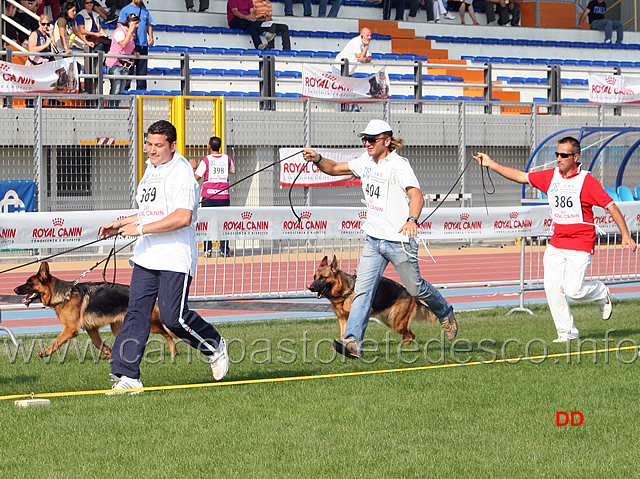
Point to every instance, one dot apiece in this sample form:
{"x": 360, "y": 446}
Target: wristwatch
{"x": 413, "y": 218}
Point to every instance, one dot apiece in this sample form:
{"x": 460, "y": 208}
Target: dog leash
{"x": 106, "y": 261}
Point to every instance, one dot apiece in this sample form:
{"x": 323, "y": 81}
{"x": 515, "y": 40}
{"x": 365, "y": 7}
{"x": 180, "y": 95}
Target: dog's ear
{"x": 43, "y": 272}
{"x": 324, "y": 262}
{"x": 334, "y": 263}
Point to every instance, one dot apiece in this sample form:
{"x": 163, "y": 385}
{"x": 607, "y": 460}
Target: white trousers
{"x": 564, "y": 273}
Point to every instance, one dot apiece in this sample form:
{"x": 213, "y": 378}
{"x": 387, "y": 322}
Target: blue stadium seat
{"x": 216, "y": 71}
{"x": 218, "y": 93}
{"x": 636, "y": 193}
{"x": 624, "y": 193}
{"x": 288, "y": 74}
{"x": 428, "y": 77}
{"x": 198, "y": 71}
{"x": 159, "y": 92}
{"x": 216, "y": 51}
{"x": 291, "y": 95}
{"x": 611, "y": 192}
{"x": 431, "y": 97}
{"x": 233, "y": 72}
{"x": 503, "y": 78}
{"x": 197, "y": 50}
{"x": 569, "y": 100}
{"x": 160, "y": 27}
{"x": 178, "y": 49}
{"x": 497, "y": 60}
{"x": 199, "y": 93}
{"x": 234, "y": 51}
{"x": 516, "y": 80}
{"x": 252, "y": 73}
{"x": 535, "y": 81}
{"x": 158, "y": 49}
{"x": 448, "y": 97}
{"x": 514, "y": 60}
{"x": 540, "y": 100}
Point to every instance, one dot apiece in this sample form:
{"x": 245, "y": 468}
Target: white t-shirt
{"x": 162, "y": 190}
{"x": 384, "y": 185}
{"x": 354, "y": 46}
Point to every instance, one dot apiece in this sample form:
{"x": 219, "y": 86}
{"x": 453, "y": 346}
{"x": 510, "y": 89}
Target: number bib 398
{"x": 151, "y": 198}
{"x": 218, "y": 169}
{"x": 564, "y": 198}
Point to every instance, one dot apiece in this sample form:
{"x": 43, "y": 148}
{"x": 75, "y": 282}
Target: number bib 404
{"x": 564, "y": 198}
{"x": 375, "y": 186}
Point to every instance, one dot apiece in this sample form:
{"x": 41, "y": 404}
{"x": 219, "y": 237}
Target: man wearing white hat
{"x": 394, "y": 202}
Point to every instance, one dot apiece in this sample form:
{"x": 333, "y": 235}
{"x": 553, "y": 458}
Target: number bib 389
{"x": 564, "y": 198}
{"x": 151, "y": 198}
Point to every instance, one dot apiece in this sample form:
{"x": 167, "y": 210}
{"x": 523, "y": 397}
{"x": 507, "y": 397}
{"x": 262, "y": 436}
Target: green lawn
{"x": 496, "y": 419}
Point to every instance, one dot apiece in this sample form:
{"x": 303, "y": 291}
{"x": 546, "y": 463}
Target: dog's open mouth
{"x": 321, "y": 292}
{"x": 30, "y": 298}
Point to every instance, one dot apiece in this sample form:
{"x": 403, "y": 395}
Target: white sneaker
{"x": 606, "y": 308}
{"x": 270, "y": 36}
{"x": 564, "y": 339}
{"x": 123, "y": 383}
{"x": 449, "y": 16}
{"x": 220, "y": 361}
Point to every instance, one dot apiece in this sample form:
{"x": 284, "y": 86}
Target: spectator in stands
{"x": 414, "y": 6}
{"x": 66, "y": 26}
{"x": 215, "y": 168}
{"x": 241, "y": 15}
{"x": 41, "y": 41}
{"x": 511, "y": 9}
{"x": 573, "y": 193}
{"x": 461, "y": 6}
{"x": 99, "y": 9}
{"x": 204, "y": 4}
{"x": 335, "y": 8}
{"x": 143, "y": 39}
{"x": 114, "y": 6}
{"x": 357, "y": 50}
{"x": 264, "y": 12}
{"x": 54, "y": 4}
{"x": 595, "y": 11}
{"x": 489, "y": 8}
{"x": 26, "y": 20}
{"x": 89, "y": 25}
{"x": 439, "y": 10}
{"x": 288, "y": 8}
{"x": 9, "y": 30}
{"x": 122, "y": 44}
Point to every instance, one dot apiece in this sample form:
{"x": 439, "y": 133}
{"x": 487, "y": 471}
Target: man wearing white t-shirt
{"x": 164, "y": 261}
{"x": 394, "y": 202}
{"x": 357, "y": 50}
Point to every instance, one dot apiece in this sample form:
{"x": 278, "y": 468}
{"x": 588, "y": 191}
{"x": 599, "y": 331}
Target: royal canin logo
{"x": 57, "y": 231}
{"x": 121, "y": 217}
{"x": 362, "y": 215}
{"x": 611, "y": 80}
{"x": 463, "y": 224}
{"x": 4, "y": 67}
{"x": 512, "y": 223}
{"x": 305, "y": 223}
{"x": 352, "y": 225}
{"x": 246, "y": 224}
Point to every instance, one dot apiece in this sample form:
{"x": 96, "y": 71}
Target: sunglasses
{"x": 44, "y": 24}
{"x": 371, "y": 139}
{"x": 564, "y": 155}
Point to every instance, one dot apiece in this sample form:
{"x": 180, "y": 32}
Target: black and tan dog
{"x": 89, "y": 306}
{"x": 392, "y": 304}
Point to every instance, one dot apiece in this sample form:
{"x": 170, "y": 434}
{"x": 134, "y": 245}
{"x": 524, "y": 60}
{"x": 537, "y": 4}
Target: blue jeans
{"x": 288, "y": 7}
{"x": 335, "y": 7}
{"x": 376, "y": 254}
{"x": 607, "y": 27}
{"x": 117, "y": 84}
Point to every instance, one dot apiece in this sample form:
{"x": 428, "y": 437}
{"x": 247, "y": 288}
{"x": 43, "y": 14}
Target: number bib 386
{"x": 564, "y": 198}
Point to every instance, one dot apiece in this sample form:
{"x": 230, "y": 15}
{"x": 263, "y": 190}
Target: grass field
{"x": 419, "y": 419}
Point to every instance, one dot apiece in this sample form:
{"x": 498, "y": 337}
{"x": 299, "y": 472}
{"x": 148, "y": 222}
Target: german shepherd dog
{"x": 89, "y": 306}
{"x": 392, "y": 304}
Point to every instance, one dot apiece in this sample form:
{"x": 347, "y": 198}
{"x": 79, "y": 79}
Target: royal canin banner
{"x": 312, "y": 176}
{"x": 69, "y": 229}
{"x": 59, "y": 76}
{"x": 317, "y": 83}
{"x": 605, "y": 88}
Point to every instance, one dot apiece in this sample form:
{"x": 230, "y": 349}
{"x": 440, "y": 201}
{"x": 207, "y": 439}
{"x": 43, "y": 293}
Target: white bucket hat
{"x": 375, "y": 127}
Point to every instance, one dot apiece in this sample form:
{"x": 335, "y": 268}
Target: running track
{"x": 479, "y": 265}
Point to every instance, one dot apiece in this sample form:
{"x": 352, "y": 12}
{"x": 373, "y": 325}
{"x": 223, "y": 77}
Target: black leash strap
{"x": 56, "y": 254}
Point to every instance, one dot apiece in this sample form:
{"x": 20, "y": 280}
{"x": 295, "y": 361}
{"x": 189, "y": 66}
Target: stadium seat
{"x": 636, "y": 192}
{"x": 624, "y": 193}
{"x": 611, "y": 192}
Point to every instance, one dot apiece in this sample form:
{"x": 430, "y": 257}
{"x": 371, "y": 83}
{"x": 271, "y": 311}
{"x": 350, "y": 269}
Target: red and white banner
{"x": 605, "y": 88}
{"x": 318, "y": 83}
{"x": 59, "y": 76}
{"x": 68, "y": 229}
{"x": 312, "y": 176}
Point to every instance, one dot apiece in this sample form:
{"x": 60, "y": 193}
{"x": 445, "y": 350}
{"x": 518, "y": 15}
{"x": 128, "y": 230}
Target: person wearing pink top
{"x": 215, "y": 169}
{"x": 121, "y": 44}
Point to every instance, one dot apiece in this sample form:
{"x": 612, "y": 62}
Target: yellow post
{"x": 177, "y": 118}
